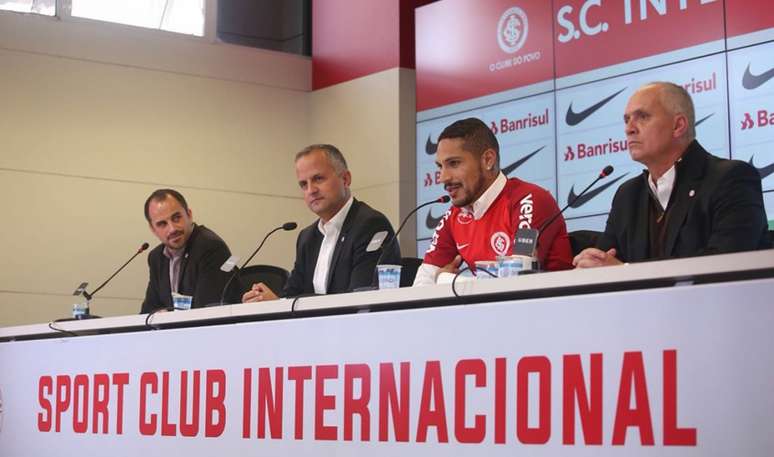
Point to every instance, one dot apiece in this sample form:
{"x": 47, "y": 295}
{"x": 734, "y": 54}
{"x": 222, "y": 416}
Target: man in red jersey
{"x": 487, "y": 208}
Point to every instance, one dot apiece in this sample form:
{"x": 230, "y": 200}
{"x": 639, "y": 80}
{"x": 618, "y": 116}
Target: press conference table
{"x": 718, "y": 268}
{"x": 670, "y": 357}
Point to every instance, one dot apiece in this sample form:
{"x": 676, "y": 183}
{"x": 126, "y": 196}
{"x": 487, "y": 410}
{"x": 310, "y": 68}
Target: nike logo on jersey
{"x": 572, "y": 118}
{"x": 510, "y": 168}
{"x": 751, "y": 81}
{"x": 585, "y": 198}
{"x": 765, "y": 171}
{"x": 462, "y": 246}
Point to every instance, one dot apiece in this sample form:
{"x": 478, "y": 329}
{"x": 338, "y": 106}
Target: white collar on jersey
{"x": 480, "y": 206}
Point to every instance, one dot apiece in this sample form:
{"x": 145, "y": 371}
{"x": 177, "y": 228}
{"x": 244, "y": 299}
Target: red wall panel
{"x": 351, "y": 39}
{"x": 748, "y": 16}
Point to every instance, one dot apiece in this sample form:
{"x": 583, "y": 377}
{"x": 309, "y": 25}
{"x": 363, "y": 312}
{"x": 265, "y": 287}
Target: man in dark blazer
{"x": 194, "y": 252}
{"x": 688, "y": 202}
{"x": 339, "y": 251}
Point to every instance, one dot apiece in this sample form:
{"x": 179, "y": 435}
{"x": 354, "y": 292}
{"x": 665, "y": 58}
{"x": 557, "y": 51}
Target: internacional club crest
{"x": 512, "y": 29}
{"x": 500, "y": 243}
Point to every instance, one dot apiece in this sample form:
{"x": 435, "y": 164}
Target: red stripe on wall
{"x": 351, "y": 39}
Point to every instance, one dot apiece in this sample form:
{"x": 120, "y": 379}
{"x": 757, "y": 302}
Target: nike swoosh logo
{"x": 572, "y": 118}
{"x": 462, "y": 246}
{"x": 591, "y": 194}
{"x": 432, "y": 222}
{"x": 703, "y": 119}
{"x": 751, "y": 81}
{"x": 509, "y": 169}
{"x": 430, "y": 147}
{"x": 765, "y": 171}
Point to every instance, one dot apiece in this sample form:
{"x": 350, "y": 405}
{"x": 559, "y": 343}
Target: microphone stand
{"x": 526, "y": 240}
{"x": 442, "y": 199}
{"x": 388, "y": 243}
{"x": 286, "y": 226}
{"x": 88, "y": 296}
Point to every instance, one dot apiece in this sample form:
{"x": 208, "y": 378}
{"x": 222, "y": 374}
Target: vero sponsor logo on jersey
{"x": 526, "y": 210}
{"x": 588, "y": 196}
{"x": 574, "y": 118}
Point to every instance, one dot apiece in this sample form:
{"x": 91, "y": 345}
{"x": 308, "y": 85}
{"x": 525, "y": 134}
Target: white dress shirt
{"x": 662, "y": 188}
{"x": 331, "y": 231}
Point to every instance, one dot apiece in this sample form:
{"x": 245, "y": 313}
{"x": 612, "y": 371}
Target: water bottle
{"x": 80, "y": 310}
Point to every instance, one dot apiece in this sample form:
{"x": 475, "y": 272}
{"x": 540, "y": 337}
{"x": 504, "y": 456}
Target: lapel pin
{"x": 691, "y": 193}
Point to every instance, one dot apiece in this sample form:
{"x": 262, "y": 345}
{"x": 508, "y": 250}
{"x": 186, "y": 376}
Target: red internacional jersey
{"x": 519, "y": 205}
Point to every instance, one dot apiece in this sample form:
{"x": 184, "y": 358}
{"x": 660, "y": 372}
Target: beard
{"x": 474, "y": 192}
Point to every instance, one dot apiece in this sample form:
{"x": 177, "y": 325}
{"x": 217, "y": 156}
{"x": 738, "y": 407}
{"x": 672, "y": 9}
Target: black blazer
{"x": 351, "y": 266}
{"x": 200, "y": 274}
{"x": 716, "y": 207}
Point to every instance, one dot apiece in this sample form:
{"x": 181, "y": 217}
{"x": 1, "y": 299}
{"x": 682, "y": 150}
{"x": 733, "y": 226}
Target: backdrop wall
{"x": 96, "y": 116}
{"x": 552, "y": 79}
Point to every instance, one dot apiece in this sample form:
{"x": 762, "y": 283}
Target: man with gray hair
{"x": 339, "y": 251}
{"x": 687, "y": 202}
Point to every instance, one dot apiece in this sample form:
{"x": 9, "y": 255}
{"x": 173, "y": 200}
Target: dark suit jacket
{"x": 351, "y": 266}
{"x": 716, "y": 207}
{"x": 200, "y": 274}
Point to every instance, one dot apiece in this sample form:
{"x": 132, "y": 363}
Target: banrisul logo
{"x": 512, "y": 29}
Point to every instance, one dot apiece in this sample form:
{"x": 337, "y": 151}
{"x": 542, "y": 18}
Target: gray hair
{"x": 677, "y": 100}
{"x": 335, "y": 157}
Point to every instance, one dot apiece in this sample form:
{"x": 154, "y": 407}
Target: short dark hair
{"x": 475, "y": 134}
{"x": 161, "y": 195}
{"x": 335, "y": 157}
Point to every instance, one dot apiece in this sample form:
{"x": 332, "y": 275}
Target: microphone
{"x": 388, "y": 243}
{"x": 442, "y": 199}
{"x": 525, "y": 241}
{"x": 607, "y": 171}
{"x": 89, "y": 296}
{"x": 287, "y": 226}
